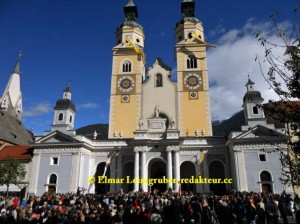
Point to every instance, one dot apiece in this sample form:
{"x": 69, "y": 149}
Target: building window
{"x": 71, "y": 118}
{"x": 52, "y": 184}
{"x": 60, "y": 116}
{"x": 127, "y": 66}
{"x": 255, "y": 110}
{"x": 262, "y": 157}
{"x": 53, "y": 179}
{"x": 158, "y": 81}
{"x": 54, "y": 161}
{"x": 191, "y": 62}
{"x": 266, "y": 182}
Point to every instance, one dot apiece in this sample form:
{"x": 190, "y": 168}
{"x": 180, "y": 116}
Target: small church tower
{"x": 64, "y": 114}
{"x": 11, "y": 100}
{"x": 252, "y": 101}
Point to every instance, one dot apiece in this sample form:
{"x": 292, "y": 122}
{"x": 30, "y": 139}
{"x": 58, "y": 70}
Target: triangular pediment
{"x": 260, "y": 131}
{"x": 56, "y": 137}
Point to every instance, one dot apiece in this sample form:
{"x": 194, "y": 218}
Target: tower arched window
{"x": 71, "y": 118}
{"x": 127, "y": 66}
{"x": 158, "y": 80}
{"x": 191, "y": 62}
{"x": 60, "y": 116}
{"x": 255, "y": 110}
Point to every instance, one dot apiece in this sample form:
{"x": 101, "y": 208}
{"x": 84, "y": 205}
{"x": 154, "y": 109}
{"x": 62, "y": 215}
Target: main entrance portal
{"x": 157, "y": 171}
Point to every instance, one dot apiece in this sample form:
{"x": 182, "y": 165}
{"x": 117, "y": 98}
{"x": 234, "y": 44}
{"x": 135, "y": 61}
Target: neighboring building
{"x": 14, "y": 137}
{"x": 254, "y": 149}
{"x": 157, "y": 127}
{"x": 24, "y": 155}
{"x": 12, "y": 130}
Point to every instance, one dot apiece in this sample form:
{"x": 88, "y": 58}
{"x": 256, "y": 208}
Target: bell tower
{"x": 193, "y": 86}
{"x": 128, "y": 73}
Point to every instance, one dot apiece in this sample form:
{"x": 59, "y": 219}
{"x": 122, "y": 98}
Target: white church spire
{"x": 11, "y": 100}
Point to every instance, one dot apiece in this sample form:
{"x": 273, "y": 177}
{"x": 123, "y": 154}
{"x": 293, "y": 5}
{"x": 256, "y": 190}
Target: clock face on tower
{"x": 192, "y": 81}
{"x": 125, "y": 83}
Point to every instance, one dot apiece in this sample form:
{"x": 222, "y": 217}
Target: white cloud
{"x": 87, "y": 106}
{"x": 231, "y": 62}
{"x": 37, "y": 110}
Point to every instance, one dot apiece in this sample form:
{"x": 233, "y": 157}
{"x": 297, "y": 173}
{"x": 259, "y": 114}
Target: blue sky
{"x": 71, "y": 40}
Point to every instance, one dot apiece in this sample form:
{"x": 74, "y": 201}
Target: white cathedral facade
{"x": 158, "y": 128}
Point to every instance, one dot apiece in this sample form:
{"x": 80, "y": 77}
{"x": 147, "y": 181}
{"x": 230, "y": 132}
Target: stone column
{"x": 169, "y": 167}
{"x": 176, "y": 168}
{"x": 205, "y": 172}
{"x": 91, "y": 187}
{"x": 136, "y": 169}
{"x": 119, "y": 169}
{"x": 144, "y": 169}
{"x": 35, "y": 174}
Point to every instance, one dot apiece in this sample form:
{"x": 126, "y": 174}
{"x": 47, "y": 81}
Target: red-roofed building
{"x": 24, "y": 154}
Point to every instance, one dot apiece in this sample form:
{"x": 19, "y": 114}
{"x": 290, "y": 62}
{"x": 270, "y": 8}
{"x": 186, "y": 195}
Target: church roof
{"x": 188, "y": 19}
{"x": 13, "y": 131}
{"x": 68, "y": 89}
{"x": 17, "y": 68}
{"x": 131, "y": 24}
{"x": 22, "y": 152}
{"x": 250, "y": 82}
{"x": 64, "y": 104}
{"x": 252, "y": 96}
{"x": 130, "y": 3}
{"x": 88, "y": 131}
{"x": 131, "y": 14}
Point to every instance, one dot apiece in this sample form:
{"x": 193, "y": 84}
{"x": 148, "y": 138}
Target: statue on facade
{"x": 172, "y": 123}
{"x": 156, "y": 111}
{"x": 141, "y": 124}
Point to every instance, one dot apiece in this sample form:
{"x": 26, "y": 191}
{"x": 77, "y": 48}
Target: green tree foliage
{"x": 12, "y": 172}
{"x": 283, "y": 76}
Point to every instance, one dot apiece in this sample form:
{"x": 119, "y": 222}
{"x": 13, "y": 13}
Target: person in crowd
{"x": 148, "y": 208}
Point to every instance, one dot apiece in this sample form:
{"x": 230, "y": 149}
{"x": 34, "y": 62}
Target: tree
{"x": 12, "y": 172}
{"x": 283, "y": 76}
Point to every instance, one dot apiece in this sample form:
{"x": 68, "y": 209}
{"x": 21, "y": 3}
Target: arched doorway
{"x": 217, "y": 171}
{"x": 266, "y": 182}
{"x": 157, "y": 171}
{"x": 52, "y": 184}
{"x": 187, "y": 170}
{"x": 128, "y": 170}
{"x": 102, "y": 188}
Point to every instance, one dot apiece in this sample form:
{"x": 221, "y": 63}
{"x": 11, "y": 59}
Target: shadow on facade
{"x": 157, "y": 170}
{"x": 217, "y": 170}
{"x": 187, "y": 170}
{"x": 102, "y": 188}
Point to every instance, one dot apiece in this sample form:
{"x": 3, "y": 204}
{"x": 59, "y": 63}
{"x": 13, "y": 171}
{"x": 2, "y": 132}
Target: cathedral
{"x": 158, "y": 128}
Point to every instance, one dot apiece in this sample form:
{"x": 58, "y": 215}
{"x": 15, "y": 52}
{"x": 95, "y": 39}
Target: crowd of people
{"x": 150, "y": 208}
